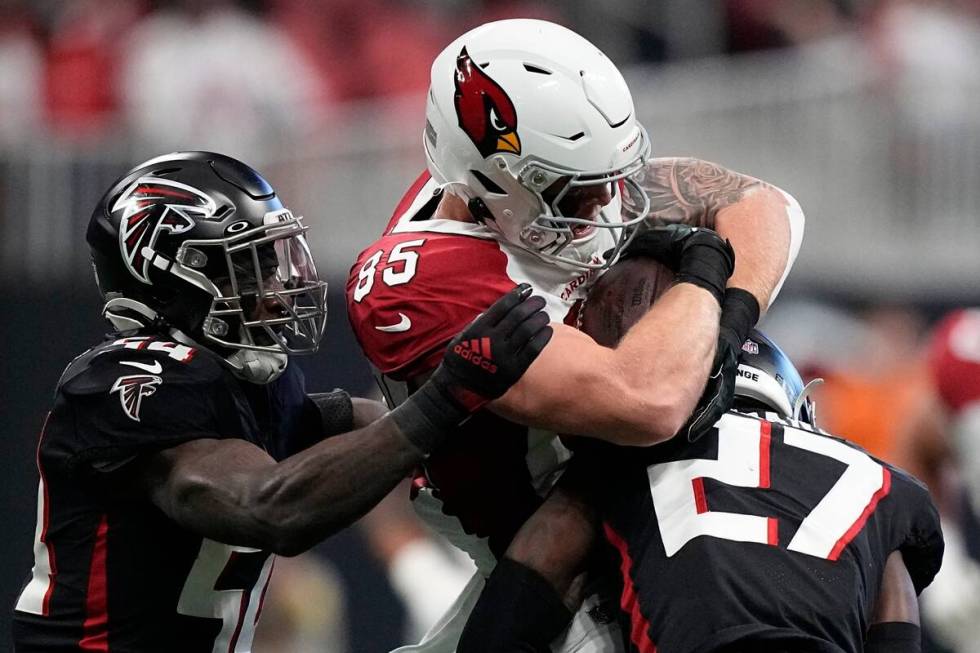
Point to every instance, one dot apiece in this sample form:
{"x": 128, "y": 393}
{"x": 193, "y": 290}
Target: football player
{"x": 951, "y": 607}
{"x": 766, "y": 535}
{"x": 183, "y": 451}
{"x": 539, "y": 172}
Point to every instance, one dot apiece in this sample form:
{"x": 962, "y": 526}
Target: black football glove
{"x": 698, "y": 256}
{"x": 739, "y": 313}
{"x": 480, "y": 364}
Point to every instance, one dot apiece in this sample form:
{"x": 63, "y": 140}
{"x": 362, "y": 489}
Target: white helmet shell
{"x": 520, "y": 107}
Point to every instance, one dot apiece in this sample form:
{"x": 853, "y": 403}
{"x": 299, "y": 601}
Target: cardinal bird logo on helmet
{"x": 150, "y": 206}
{"x": 485, "y": 112}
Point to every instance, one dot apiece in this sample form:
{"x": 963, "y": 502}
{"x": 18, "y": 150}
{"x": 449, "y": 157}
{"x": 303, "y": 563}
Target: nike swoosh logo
{"x": 156, "y": 368}
{"x": 404, "y": 324}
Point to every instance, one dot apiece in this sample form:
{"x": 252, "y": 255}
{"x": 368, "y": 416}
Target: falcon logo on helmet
{"x": 150, "y": 206}
{"x": 131, "y": 391}
{"x": 484, "y": 110}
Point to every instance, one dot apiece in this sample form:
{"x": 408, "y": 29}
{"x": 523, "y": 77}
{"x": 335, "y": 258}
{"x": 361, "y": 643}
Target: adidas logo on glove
{"x": 476, "y": 351}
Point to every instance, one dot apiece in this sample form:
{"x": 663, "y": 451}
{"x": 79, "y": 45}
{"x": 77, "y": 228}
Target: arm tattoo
{"x": 693, "y": 191}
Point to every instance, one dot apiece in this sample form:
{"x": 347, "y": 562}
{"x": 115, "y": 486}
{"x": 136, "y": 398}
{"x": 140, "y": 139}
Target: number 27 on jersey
{"x": 743, "y": 460}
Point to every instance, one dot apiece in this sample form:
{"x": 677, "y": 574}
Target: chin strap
{"x": 259, "y": 367}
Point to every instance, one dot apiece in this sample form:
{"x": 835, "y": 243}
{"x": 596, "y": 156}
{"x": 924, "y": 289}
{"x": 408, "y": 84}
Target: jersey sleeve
{"x": 114, "y": 410}
{"x": 409, "y": 294}
{"x": 919, "y": 535}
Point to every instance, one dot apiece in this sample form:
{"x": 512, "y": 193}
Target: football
{"x": 620, "y": 298}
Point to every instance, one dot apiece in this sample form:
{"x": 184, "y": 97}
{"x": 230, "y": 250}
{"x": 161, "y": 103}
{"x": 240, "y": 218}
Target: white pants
{"x": 592, "y": 630}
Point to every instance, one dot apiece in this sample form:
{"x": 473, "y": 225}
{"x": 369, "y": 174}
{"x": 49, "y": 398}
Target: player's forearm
{"x": 232, "y": 491}
{"x": 666, "y": 358}
{"x": 656, "y": 374}
{"x": 640, "y": 393}
{"x": 557, "y": 539}
{"x": 309, "y": 496}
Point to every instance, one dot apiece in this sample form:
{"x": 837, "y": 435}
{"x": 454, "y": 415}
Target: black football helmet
{"x": 200, "y": 242}
{"x": 767, "y": 378}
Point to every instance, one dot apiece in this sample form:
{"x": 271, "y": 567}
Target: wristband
{"x": 894, "y": 637}
{"x": 335, "y": 411}
{"x": 708, "y": 268}
{"x": 427, "y": 417}
{"x": 739, "y": 314}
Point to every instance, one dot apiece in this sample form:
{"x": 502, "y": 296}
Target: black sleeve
{"x": 923, "y": 547}
{"x": 324, "y": 414}
{"x": 917, "y": 530}
{"x": 335, "y": 412}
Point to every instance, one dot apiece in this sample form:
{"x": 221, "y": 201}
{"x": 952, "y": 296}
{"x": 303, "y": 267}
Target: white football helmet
{"x": 530, "y": 123}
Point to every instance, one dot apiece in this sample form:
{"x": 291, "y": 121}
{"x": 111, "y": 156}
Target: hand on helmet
{"x": 739, "y": 313}
{"x": 718, "y": 395}
{"x": 698, "y": 256}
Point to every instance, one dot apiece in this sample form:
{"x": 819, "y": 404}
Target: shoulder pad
{"x": 410, "y": 197}
{"x": 98, "y": 369}
{"x": 410, "y": 293}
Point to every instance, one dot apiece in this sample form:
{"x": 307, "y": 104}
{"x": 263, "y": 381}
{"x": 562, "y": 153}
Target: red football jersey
{"x": 411, "y": 292}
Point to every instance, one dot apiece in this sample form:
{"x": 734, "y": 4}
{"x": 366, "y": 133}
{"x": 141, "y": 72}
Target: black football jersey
{"x": 113, "y": 572}
{"x": 761, "y": 534}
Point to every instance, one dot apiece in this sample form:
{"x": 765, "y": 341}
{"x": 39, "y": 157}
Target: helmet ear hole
{"x": 531, "y": 68}
{"x": 222, "y": 211}
{"x": 488, "y": 183}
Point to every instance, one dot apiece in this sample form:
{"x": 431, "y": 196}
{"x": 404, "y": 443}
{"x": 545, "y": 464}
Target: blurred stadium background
{"x": 866, "y": 110}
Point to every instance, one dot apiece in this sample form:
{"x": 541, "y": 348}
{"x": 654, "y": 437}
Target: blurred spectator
{"x": 206, "y": 74}
{"x": 425, "y": 575}
{"x": 502, "y": 9}
{"x": 762, "y": 24}
{"x": 21, "y": 65}
{"x": 81, "y": 85}
{"x": 929, "y": 55}
{"x": 932, "y": 44}
{"x": 951, "y": 606}
{"x": 303, "y": 609}
{"x": 367, "y": 47}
